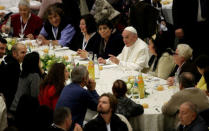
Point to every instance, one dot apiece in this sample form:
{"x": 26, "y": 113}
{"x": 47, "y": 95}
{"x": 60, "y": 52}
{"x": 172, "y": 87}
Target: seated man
{"x": 134, "y": 55}
{"x": 62, "y": 120}
{"x": 10, "y": 72}
{"x": 76, "y": 97}
{"x": 182, "y": 58}
{"x": 106, "y": 120}
{"x": 3, "y": 46}
{"x": 189, "y": 119}
{"x": 187, "y": 93}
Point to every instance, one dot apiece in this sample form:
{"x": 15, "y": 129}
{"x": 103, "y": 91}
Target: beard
{"x": 102, "y": 111}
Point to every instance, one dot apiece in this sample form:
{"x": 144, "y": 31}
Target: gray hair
{"x": 79, "y": 73}
{"x": 193, "y": 107}
{"x": 184, "y": 50}
{"x": 60, "y": 115}
{"x": 16, "y": 46}
{"x": 187, "y": 79}
{"x": 24, "y": 3}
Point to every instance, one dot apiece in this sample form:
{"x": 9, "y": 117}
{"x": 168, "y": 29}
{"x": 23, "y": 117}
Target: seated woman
{"x": 111, "y": 42}
{"x": 202, "y": 63}
{"x": 90, "y": 38}
{"x": 52, "y": 85}
{"x": 57, "y": 28}
{"x": 30, "y": 78}
{"x": 161, "y": 62}
{"x": 126, "y": 106}
{"x": 24, "y": 23}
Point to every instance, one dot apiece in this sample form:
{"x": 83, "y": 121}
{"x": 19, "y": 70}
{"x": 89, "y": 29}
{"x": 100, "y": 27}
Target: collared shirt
{"x": 66, "y": 34}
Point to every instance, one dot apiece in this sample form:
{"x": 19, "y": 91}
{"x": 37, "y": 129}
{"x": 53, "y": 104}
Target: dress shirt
{"x": 66, "y": 34}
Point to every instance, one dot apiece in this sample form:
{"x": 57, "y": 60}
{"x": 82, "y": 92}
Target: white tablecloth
{"x": 152, "y": 119}
{"x": 12, "y": 5}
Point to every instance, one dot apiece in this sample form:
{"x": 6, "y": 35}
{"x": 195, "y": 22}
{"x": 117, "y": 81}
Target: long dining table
{"x": 152, "y": 119}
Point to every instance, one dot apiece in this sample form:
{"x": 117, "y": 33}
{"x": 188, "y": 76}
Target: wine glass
{"x": 7, "y": 30}
{"x": 21, "y": 35}
{"x": 90, "y": 55}
{"x": 39, "y": 41}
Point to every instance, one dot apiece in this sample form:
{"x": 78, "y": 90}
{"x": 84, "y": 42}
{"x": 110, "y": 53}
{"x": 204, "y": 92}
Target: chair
{"x": 123, "y": 118}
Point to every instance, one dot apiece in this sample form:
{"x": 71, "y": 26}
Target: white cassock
{"x": 135, "y": 57}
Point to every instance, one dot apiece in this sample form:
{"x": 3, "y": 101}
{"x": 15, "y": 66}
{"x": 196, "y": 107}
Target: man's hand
{"x": 91, "y": 85}
{"x": 77, "y": 127}
{"x": 101, "y": 60}
{"x": 82, "y": 53}
{"x": 170, "y": 81}
{"x": 114, "y": 59}
{"x": 30, "y": 36}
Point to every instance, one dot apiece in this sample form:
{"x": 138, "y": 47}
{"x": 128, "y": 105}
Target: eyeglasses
{"x": 175, "y": 53}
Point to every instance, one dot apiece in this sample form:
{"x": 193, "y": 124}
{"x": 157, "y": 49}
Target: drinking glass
{"x": 90, "y": 55}
{"x": 21, "y": 35}
{"x": 39, "y": 41}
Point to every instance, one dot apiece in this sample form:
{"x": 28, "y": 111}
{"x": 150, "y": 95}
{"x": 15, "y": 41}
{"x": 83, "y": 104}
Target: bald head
{"x": 186, "y": 80}
{"x": 19, "y": 51}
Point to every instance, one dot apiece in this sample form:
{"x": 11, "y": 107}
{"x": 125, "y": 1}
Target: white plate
{"x": 62, "y": 48}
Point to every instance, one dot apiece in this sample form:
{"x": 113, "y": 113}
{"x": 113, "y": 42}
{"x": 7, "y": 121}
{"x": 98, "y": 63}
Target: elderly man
{"x": 134, "y": 55}
{"x": 3, "y": 47}
{"x": 182, "y": 58}
{"x": 76, "y": 97}
{"x": 10, "y": 71}
{"x": 62, "y": 120}
{"x": 187, "y": 93}
{"x": 106, "y": 120}
{"x": 189, "y": 119}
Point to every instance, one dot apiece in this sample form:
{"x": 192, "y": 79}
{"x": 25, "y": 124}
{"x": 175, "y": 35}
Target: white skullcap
{"x": 131, "y": 29}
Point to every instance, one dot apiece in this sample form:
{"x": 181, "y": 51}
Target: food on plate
{"x": 145, "y": 105}
{"x": 46, "y": 50}
{"x": 66, "y": 57}
{"x": 100, "y": 67}
{"x": 160, "y": 88}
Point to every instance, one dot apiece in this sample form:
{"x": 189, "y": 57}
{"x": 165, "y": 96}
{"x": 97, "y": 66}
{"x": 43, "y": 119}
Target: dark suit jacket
{"x": 196, "y": 33}
{"x": 78, "y": 100}
{"x": 114, "y": 46}
{"x": 143, "y": 17}
{"x": 197, "y": 125}
{"x": 93, "y": 43}
{"x": 9, "y": 76}
{"x": 98, "y": 124}
{"x": 188, "y": 66}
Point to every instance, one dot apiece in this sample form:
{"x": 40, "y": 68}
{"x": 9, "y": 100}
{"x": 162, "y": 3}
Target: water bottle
{"x": 96, "y": 67}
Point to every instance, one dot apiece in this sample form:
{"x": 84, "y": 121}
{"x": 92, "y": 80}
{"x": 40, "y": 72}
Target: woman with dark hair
{"x": 161, "y": 62}
{"x": 90, "y": 38}
{"x": 125, "y": 106}
{"x": 30, "y": 78}
{"x": 57, "y": 29}
{"x": 202, "y": 63}
{"x": 52, "y": 85}
{"x": 111, "y": 42}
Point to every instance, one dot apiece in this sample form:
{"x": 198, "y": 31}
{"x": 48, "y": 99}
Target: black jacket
{"x": 98, "y": 124}
{"x": 9, "y": 76}
{"x": 114, "y": 46}
{"x": 197, "y": 125}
